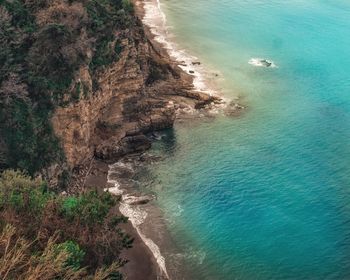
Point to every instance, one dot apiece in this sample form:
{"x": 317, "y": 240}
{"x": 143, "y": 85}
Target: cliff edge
{"x": 137, "y": 94}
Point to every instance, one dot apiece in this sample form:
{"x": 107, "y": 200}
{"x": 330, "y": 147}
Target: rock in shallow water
{"x": 138, "y": 200}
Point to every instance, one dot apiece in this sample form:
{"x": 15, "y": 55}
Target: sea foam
{"x": 136, "y": 215}
{"x": 155, "y": 19}
{"x": 262, "y": 62}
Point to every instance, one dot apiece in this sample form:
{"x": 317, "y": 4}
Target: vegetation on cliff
{"x": 48, "y": 236}
{"x": 43, "y": 44}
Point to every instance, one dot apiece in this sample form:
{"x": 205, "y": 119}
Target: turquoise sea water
{"x": 265, "y": 195}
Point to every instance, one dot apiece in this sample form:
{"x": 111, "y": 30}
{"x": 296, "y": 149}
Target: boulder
{"x": 138, "y": 200}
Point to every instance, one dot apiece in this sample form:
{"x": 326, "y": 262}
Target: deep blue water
{"x": 265, "y": 195}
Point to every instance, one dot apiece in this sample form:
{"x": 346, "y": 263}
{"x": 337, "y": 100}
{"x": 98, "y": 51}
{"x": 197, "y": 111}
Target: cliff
{"x": 139, "y": 93}
{"x": 81, "y": 84}
{"x": 81, "y": 80}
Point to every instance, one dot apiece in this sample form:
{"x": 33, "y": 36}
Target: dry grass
{"x": 34, "y": 223}
{"x": 18, "y": 261}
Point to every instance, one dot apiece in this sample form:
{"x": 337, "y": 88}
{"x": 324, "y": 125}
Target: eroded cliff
{"x": 137, "y": 94}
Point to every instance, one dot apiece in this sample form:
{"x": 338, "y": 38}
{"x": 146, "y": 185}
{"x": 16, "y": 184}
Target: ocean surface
{"x": 265, "y": 195}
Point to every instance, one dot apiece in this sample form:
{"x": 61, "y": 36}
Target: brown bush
{"x": 43, "y": 218}
{"x": 12, "y": 88}
{"x": 73, "y": 16}
{"x": 103, "y": 244}
{"x": 18, "y": 262}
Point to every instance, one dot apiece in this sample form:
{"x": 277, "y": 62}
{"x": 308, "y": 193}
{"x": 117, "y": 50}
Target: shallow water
{"x": 265, "y": 195}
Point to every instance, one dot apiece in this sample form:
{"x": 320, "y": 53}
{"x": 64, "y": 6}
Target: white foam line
{"x": 136, "y": 217}
{"x": 155, "y": 19}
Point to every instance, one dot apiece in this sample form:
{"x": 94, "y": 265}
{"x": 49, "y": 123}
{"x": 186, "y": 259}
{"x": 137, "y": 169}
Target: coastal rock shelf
{"x": 138, "y": 94}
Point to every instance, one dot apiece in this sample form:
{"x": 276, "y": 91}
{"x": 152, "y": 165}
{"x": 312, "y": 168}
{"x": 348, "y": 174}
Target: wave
{"x": 191, "y": 255}
{"x": 155, "y": 19}
{"x": 262, "y": 62}
{"x": 136, "y": 215}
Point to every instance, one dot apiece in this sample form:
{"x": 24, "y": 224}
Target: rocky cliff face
{"x": 138, "y": 94}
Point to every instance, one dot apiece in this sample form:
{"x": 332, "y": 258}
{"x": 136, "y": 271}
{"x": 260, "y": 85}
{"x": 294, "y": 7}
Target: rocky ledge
{"x": 138, "y": 94}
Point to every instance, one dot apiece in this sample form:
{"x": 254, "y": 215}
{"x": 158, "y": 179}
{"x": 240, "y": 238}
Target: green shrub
{"x": 90, "y": 208}
{"x": 118, "y": 48}
{"x": 20, "y": 193}
{"x": 127, "y": 6}
{"x": 81, "y": 229}
{"x": 21, "y": 16}
{"x": 156, "y": 72}
{"x": 70, "y": 206}
{"x": 75, "y": 254}
{"x": 98, "y": 15}
{"x": 94, "y": 208}
{"x": 103, "y": 54}
{"x": 106, "y": 16}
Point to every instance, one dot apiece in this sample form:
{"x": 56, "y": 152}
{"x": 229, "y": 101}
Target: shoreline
{"x": 132, "y": 206}
{"x": 155, "y": 23}
{"x": 146, "y": 222}
{"x": 149, "y": 242}
{"x": 141, "y": 261}
{"x": 141, "y": 216}
{"x": 204, "y": 82}
{"x": 155, "y": 252}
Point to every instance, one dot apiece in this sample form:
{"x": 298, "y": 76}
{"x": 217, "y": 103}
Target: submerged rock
{"x": 138, "y": 200}
{"x": 266, "y": 62}
{"x": 261, "y": 62}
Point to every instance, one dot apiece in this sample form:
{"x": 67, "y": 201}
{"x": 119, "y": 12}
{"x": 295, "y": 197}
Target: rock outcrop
{"x": 137, "y": 94}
